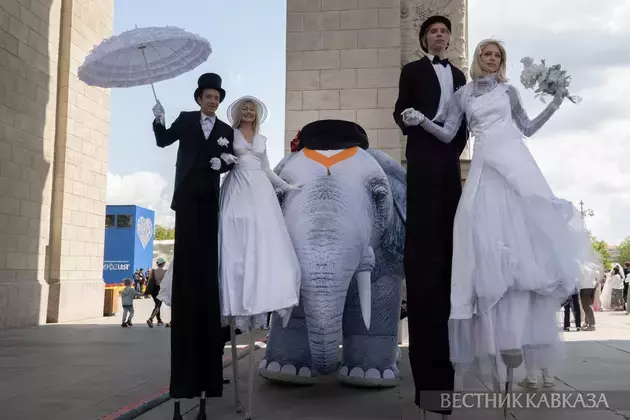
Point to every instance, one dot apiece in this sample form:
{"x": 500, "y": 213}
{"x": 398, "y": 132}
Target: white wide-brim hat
{"x": 234, "y": 108}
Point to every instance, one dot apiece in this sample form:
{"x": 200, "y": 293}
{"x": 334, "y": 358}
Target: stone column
{"x": 414, "y": 12}
{"x": 29, "y": 41}
{"x": 343, "y": 62}
{"x": 75, "y": 254}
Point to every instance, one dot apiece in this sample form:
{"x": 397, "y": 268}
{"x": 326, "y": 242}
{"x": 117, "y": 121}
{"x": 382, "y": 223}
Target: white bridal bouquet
{"x": 545, "y": 80}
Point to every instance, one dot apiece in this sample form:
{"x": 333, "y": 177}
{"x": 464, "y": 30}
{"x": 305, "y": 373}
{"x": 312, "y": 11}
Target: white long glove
{"x": 291, "y": 187}
{"x": 215, "y": 164}
{"x": 411, "y": 117}
{"x": 228, "y": 158}
{"x": 158, "y": 112}
{"x": 559, "y": 98}
{"x": 287, "y": 188}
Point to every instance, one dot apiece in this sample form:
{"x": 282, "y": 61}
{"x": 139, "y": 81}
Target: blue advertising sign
{"x": 128, "y": 241}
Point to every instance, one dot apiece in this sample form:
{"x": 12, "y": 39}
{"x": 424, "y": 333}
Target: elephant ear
{"x": 394, "y": 237}
{"x": 280, "y": 166}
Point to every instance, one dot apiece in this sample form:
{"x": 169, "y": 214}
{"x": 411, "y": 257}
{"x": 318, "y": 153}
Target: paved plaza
{"x": 97, "y": 370}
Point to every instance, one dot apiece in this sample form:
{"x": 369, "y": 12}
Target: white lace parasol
{"x": 143, "y": 56}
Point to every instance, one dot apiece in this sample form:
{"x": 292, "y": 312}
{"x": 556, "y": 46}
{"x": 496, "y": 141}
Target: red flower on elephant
{"x": 295, "y": 143}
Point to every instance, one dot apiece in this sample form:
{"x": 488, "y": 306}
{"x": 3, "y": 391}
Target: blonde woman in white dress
{"x": 259, "y": 269}
{"x": 518, "y": 248}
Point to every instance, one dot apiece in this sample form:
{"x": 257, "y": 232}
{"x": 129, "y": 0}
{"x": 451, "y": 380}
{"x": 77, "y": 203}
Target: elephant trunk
{"x": 324, "y": 321}
{"x": 324, "y": 291}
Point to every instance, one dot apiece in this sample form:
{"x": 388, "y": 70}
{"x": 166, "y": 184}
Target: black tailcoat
{"x": 197, "y": 339}
{"x": 433, "y": 192}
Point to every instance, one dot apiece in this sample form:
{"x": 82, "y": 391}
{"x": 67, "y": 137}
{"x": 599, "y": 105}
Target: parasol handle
{"x": 141, "y": 48}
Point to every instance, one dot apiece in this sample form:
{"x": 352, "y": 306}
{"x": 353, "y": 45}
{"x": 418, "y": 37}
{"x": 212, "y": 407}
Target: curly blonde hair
{"x": 475, "y": 69}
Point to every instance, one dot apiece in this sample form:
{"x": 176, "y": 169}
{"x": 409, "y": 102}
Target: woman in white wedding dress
{"x": 518, "y": 248}
{"x": 612, "y": 292}
{"x": 259, "y": 270}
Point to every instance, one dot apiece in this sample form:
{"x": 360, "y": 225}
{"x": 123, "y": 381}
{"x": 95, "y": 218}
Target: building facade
{"x": 344, "y": 59}
{"x": 53, "y": 161}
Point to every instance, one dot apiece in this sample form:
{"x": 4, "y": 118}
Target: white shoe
{"x": 548, "y": 381}
{"x": 529, "y": 383}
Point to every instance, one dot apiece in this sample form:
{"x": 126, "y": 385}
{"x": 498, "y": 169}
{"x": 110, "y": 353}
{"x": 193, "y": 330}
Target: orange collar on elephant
{"x": 329, "y": 161}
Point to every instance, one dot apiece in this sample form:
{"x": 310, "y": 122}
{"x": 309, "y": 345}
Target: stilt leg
{"x": 508, "y": 392}
{"x": 250, "y": 390}
{"x": 177, "y": 411}
{"x": 202, "y": 407}
{"x": 512, "y": 359}
{"x": 237, "y": 400}
{"x": 424, "y": 414}
{"x": 496, "y": 383}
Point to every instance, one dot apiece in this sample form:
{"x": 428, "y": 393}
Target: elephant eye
{"x": 379, "y": 193}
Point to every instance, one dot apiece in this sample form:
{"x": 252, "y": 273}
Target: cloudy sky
{"x": 583, "y": 151}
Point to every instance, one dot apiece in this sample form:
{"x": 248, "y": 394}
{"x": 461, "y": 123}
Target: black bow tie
{"x": 437, "y": 60}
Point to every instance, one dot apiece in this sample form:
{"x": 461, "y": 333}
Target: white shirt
{"x": 589, "y": 277}
{"x": 445, "y": 77}
{"x": 207, "y": 123}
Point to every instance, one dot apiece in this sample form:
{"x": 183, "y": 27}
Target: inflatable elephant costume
{"x": 347, "y": 225}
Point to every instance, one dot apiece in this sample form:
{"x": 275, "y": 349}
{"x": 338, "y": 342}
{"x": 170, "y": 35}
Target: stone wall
{"x": 343, "y": 61}
{"x": 80, "y": 169}
{"x": 53, "y": 143}
{"x": 29, "y": 41}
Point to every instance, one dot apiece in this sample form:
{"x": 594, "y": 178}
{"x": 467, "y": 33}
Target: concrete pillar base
{"x": 75, "y": 300}
{"x": 22, "y": 303}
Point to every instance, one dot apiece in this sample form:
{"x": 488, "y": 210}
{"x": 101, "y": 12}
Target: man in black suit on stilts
{"x": 433, "y": 192}
{"x": 205, "y": 151}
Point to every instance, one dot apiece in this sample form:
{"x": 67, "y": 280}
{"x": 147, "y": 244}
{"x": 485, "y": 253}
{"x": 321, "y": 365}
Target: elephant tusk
{"x": 286, "y": 317}
{"x": 364, "y": 284}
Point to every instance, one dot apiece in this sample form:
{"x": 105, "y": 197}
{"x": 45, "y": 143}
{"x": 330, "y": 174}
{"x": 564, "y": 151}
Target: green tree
{"x": 602, "y": 249}
{"x": 162, "y": 233}
{"x": 623, "y": 251}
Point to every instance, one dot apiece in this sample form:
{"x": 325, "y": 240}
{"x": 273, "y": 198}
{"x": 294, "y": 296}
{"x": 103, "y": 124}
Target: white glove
{"x": 215, "y": 164}
{"x": 228, "y": 158}
{"x": 559, "y": 98}
{"x": 291, "y": 187}
{"x": 158, "y": 112}
{"x": 411, "y": 117}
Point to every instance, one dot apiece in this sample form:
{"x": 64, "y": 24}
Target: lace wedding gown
{"x": 518, "y": 248}
{"x": 259, "y": 269}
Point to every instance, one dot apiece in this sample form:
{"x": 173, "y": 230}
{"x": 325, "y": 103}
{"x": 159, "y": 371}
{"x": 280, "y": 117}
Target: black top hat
{"x": 427, "y": 24}
{"x": 333, "y": 135}
{"x": 209, "y": 81}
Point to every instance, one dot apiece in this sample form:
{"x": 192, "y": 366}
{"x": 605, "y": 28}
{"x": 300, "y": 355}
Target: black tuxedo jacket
{"x": 419, "y": 88}
{"x": 192, "y": 142}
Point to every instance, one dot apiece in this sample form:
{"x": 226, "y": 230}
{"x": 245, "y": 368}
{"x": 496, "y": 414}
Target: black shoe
{"x": 129, "y": 324}
{"x": 202, "y": 409}
{"x": 124, "y": 325}
{"x": 177, "y": 414}
{"x": 150, "y": 323}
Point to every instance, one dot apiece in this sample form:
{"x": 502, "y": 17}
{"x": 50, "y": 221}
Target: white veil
{"x": 612, "y": 269}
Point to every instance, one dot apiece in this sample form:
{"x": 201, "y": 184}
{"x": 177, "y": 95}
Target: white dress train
{"x": 259, "y": 269}
{"x": 518, "y": 248}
